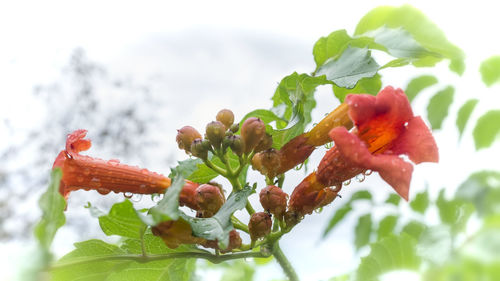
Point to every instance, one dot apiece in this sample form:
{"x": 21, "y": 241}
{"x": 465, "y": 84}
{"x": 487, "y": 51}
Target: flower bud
{"x": 215, "y": 132}
{"x": 236, "y": 144}
{"x": 209, "y": 199}
{"x": 291, "y": 218}
{"x": 175, "y": 233}
{"x": 265, "y": 143}
{"x": 267, "y": 163}
{"x": 273, "y": 199}
{"x": 234, "y": 241}
{"x": 252, "y": 132}
{"x": 187, "y": 197}
{"x": 259, "y": 225}
{"x": 226, "y": 117}
{"x": 185, "y": 137}
{"x": 235, "y": 127}
{"x": 198, "y": 149}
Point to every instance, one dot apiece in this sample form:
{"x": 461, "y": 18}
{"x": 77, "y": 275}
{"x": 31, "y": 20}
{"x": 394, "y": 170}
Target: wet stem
{"x": 272, "y": 240}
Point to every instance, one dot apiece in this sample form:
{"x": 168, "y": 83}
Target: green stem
{"x": 140, "y": 258}
{"x": 217, "y": 169}
{"x": 284, "y": 263}
{"x": 239, "y": 224}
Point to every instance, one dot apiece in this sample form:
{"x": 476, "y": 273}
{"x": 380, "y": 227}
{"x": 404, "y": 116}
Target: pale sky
{"x": 225, "y": 54}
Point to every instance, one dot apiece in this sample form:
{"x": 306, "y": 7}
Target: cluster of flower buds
{"x": 220, "y": 135}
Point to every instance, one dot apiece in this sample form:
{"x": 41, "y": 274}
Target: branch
{"x": 149, "y": 258}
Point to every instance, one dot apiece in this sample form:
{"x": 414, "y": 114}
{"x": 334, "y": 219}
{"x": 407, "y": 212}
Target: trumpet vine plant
{"x": 373, "y": 131}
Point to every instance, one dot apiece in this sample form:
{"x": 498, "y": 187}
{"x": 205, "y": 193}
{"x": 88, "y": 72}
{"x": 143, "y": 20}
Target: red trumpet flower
{"x": 85, "y": 172}
{"x": 385, "y": 129}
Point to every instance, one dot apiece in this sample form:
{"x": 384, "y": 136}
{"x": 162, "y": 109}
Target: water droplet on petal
{"x": 79, "y": 179}
{"x": 156, "y": 197}
{"x": 142, "y": 186}
{"x": 113, "y": 162}
{"x": 368, "y": 172}
{"x": 128, "y": 195}
{"x": 86, "y": 171}
{"x": 347, "y": 182}
{"x": 103, "y": 191}
{"x": 360, "y": 177}
{"x": 318, "y": 210}
{"x": 136, "y": 197}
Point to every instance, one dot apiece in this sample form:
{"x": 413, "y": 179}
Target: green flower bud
{"x": 273, "y": 199}
{"x": 185, "y": 137}
{"x": 234, "y": 128}
{"x": 198, "y": 149}
{"x": 226, "y": 117}
{"x": 236, "y": 144}
{"x": 215, "y": 133}
{"x": 252, "y": 132}
{"x": 209, "y": 199}
{"x": 259, "y": 225}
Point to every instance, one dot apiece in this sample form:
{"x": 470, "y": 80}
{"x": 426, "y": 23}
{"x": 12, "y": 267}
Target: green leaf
{"x": 416, "y": 85}
{"x": 464, "y": 113}
{"x": 185, "y": 168}
{"x": 88, "y": 262}
{"x": 401, "y": 44}
{"x": 363, "y": 231}
{"x": 368, "y": 85}
{"x": 393, "y": 199}
{"x": 438, "y": 106}
{"x": 52, "y": 205}
{"x": 386, "y": 226}
{"x": 487, "y": 129}
{"x": 414, "y": 228}
{"x": 170, "y": 269}
{"x": 336, "y": 218}
{"x": 97, "y": 270}
{"x": 483, "y": 190}
{"x": 422, "y": 31}
{"x": 360, "y": 195}
{"x": 267, "y": 116}
{"x": 454, "y": 212}
{"x": 294, "y": 97}
{"x": 435, "y": 244}
{"x": 346, "y": 70}
{"x": 122, "y": 220}
{"x": 490, "y": 70}
{"x": 168, "y": 207}
{"x": 388, "y": 254}
{"x": 219, "y": 226}
{"x": 335, "y": 44}
{"x": 421, "y": 202}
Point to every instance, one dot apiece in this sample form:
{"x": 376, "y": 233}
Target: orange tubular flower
{"x": 298, "y": 149}
{"x": 84, "y": 172}
{"x": 385, "y": 128}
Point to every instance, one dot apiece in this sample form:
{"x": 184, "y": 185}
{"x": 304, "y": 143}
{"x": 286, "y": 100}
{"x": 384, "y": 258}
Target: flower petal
{"x": 394, "y": 170}
{"x": 75, "y": 142}
{"x": 391, "y": 103}
{"x": 417, "y": 142}
{"x": 310, "y": 194}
